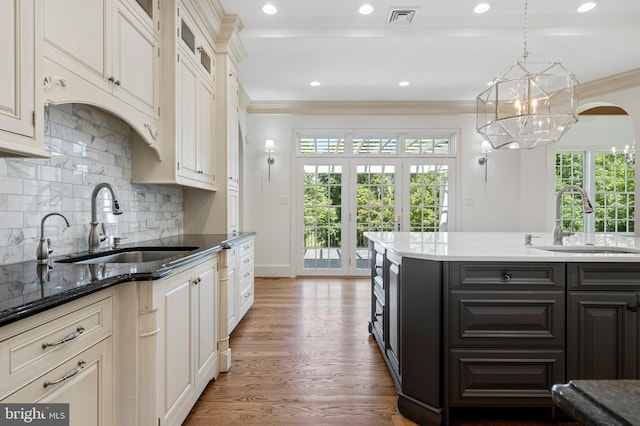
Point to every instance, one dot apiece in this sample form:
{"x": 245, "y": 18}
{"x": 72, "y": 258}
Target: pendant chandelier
{"x": 532, "y": 104}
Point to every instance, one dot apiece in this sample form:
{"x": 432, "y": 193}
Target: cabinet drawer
{"x": 378, "y": 317}
{"x": 504, "y": 378}
{"x": 244, "y": 248}
{"x": 52, "y": 340}
{"x": 246, "y": 300}
{"x": 523, "y": 318}
{"x": 87, "y": 388}
{"x": 603, "y": 276}
{"x": 507, "y": 275}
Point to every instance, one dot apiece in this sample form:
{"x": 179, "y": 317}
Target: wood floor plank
{"x": 303, "y": 356}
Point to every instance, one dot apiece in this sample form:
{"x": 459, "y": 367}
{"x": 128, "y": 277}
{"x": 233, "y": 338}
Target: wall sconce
{"x": 269, "y": 147}
{"x": 485, "y": 149}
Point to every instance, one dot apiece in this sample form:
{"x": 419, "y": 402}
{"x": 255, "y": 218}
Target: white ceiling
{"x": 447, "y": 52}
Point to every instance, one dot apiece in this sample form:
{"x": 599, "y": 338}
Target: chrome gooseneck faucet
{"x": 558, "y": 233}
{"x": 43, "y": 251}
{"x": 95, "y": 236}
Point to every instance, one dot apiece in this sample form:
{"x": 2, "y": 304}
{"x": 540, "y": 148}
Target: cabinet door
{"x": 603, "y": 335}
{"x": 135, "y": 63}
{"x": 233, "y": 210}
{"x": 205, "y": 136}
{"x": 87, "y": 389}
{"x": 232, "y": 295}
{"x": 233, "y": 155}
{"x": 205, "y": 303}
{"x": 187, "y": 119}
{"x": 177, "y": 337}
{"x": 79, "y": 34}
{"x": 17, "y": 70}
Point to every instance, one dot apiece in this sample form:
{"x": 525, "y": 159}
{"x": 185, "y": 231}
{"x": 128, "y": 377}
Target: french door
{"x": 344, "y": 198}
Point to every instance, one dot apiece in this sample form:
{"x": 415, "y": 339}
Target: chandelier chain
{"x": 525, "y": 53}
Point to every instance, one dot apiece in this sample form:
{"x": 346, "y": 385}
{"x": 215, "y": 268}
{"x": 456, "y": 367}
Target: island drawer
{"x": 603, "y": 276}
{"x": 522, "y": 318}
{"x": 516, "y": 275}
{"x": 51, "y": 337}
{"x": 505, "y": 377}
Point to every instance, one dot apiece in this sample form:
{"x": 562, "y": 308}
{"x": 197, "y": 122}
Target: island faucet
{"x": 95, "y": 237}
{"x": 558, "y": 233}
{"x": 43, "y": 251}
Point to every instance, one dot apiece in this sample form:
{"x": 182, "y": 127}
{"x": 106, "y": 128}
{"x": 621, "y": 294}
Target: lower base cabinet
{"x": 172, "y": 353}
{"x": 237, "y": 289}
{"x": 64, "y": 355}
{"x": 87, "y": 387}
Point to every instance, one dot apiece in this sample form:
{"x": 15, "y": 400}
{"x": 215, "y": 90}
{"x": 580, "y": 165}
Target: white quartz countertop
{"x": 508, "y": 246}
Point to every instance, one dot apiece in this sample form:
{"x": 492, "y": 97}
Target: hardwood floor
{"x": 303, "y": 356}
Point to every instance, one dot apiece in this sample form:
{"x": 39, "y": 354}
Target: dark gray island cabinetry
{"x": 500, "y": 331}
{"x": 603, "y": 321}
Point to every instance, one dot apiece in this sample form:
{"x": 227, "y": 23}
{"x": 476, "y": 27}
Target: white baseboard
{"x": 273, "y": 271}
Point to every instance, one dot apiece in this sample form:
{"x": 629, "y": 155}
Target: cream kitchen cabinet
{"x": 237, "y": 288}
{"x": 225, "y": 213}
{"x": 188, "y": 150}
{"x": 171, "y": 345}
{"x": 195, "y": 98}
{"x": 21, "y": 112}
{"x": 104, "y": 53}
{"x": 63, "y": 355}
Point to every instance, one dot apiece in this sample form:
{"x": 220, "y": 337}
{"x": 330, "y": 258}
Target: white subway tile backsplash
{"x": 87, "y": 146}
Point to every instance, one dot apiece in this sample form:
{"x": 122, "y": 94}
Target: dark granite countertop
{"x": 28, "y": 288}
{"x": 600, "y": 402}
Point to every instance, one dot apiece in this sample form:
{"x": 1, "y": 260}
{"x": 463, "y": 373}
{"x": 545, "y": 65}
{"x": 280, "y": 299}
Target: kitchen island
{"x": 483, "y": 320}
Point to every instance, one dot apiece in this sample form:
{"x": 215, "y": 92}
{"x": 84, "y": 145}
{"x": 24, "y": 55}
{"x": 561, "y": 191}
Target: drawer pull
{"x": 66, "y": 338}
{"x": 632, "y": 308}
{"x": 508, "y": 276}
{"x": 69, "y": 375}
{"x": 378, "y": 315}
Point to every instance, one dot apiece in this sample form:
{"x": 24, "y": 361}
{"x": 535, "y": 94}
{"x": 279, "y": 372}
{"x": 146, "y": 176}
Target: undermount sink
{"x": 130, "y": 255}
{"x": 589, "y": 249}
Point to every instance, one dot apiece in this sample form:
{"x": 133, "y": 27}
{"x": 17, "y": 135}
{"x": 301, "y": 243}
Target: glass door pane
{"x": 428, "y": 198}
{"x": 375, "y": 208}
{"x": 322, "y": 210}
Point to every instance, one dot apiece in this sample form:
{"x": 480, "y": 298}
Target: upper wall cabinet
{"x": 195, "y": 97}
{"x": 21, "y": 112}
{"x": 105, "y": 53}
{"x": 188, "y": 146}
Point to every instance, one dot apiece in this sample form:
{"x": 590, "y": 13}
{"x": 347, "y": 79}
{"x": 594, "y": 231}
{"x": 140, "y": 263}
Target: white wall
{"x": 269, "y": 206}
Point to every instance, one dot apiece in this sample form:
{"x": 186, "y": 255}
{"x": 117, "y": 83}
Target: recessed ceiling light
{"x": 587, "y": 6}
{"x": 269, "y": 9}
{"x": 404, "y": 83}
{"x": 482, "y": 7}
{"x": 365, "y": 9}
{"x": 314, "y": 83}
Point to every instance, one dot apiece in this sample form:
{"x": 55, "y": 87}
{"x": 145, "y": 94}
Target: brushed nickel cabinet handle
{"x": 67, "y": 376}
{"x": 66, "y": 338}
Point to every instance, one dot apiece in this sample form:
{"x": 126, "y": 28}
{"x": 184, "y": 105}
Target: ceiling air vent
{"x": 401, "y": 16}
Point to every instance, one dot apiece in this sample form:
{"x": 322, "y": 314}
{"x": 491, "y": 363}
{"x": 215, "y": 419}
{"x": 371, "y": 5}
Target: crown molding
{"x": 363, "y": 107}
{"x": 612, "y": 83}
{"x": 586, "y": 90}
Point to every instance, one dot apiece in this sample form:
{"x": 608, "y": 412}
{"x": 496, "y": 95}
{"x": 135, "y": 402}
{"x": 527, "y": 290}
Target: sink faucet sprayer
{"x": 558, "y": 233}
{"x": 43, "y": 251}
{"x": 95, "y": 237}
